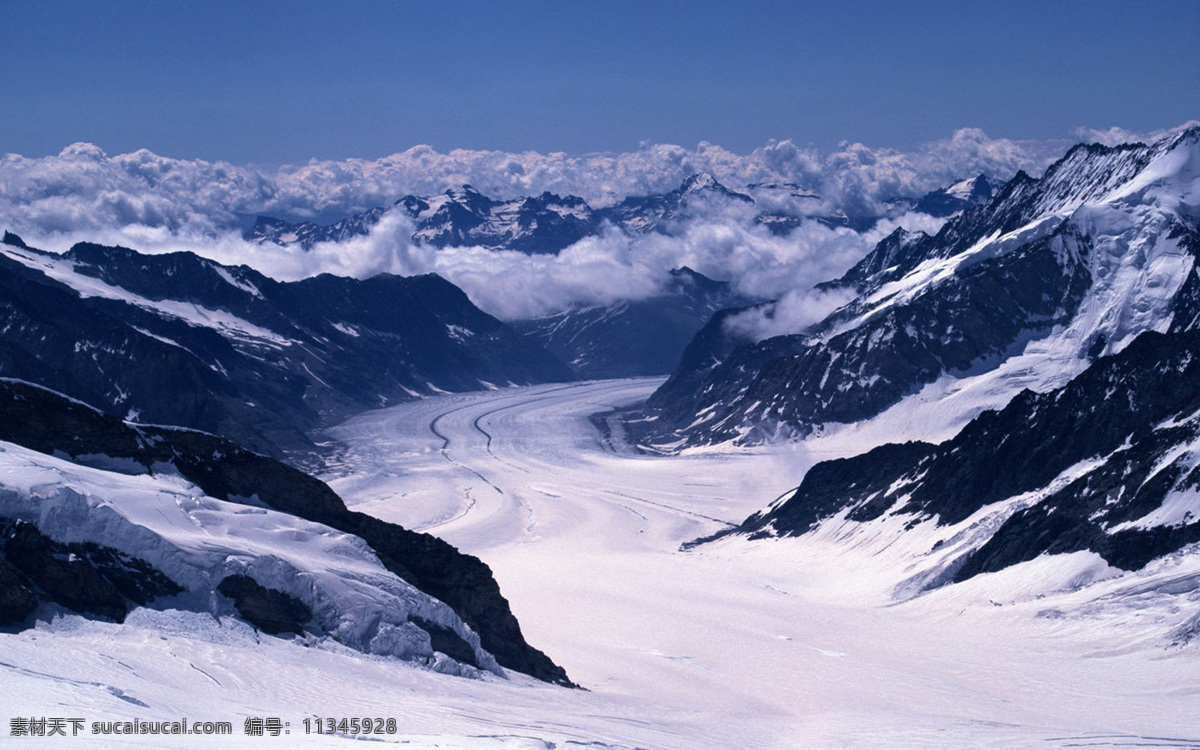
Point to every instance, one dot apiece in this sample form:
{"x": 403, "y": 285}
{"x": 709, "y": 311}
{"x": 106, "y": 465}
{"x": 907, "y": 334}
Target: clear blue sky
{"x": 274, "y": 82}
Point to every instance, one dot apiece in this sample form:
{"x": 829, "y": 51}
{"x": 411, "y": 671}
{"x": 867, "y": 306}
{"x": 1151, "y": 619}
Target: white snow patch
{"x": 222, "y": 321}
{"x": 245, "y": 286}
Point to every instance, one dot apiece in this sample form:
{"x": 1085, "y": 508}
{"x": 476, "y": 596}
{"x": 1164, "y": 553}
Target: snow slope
{"x": 197, "y": 541}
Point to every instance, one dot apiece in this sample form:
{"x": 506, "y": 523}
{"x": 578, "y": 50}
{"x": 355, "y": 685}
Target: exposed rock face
{"x": 87, "y": 578}
{"x": 177, "y": 339}
{"x": 17, "y": 599}
{"x": 632, "y": 338}
{"x": 269, "y": 610}
{"x": 956, "y": 198}
{"x": 1108, "y": 464}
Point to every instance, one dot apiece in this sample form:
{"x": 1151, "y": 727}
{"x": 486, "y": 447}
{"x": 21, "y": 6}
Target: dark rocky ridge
{"x": 269, "y": 610}
{"x": 792, "y": 382}
{"x": 956, "y": 198}
{"x": 315, "y": 349}
{"x": 633, "y": 338}
{"x": 83, "y": 577}
{"x": 1130, "y": 413}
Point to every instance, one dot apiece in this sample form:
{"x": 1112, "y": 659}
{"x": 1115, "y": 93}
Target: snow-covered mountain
{"x": 1038, "y": 354}
{"x": 458, "y": 217}
{"x": 1022, "y": 292}
{"x": 957, "y": 198}
{"x": 177, "y": 339}
{"x": 1108, "y": 464}
{"x": 633, "y": 337}
{"x": 656, "y": 212}
{"x": 548, "y": 223}
{"x": 543, "y": 224}
{"x": 99, "y": 515}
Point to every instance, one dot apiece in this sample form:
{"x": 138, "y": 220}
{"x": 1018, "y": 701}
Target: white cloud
{"x": 511, "y": 285}
{"x": 1115, "y": 136}
{"x": 792, "y": 313}
{"x": 84, "y": 188}
{"x": 158, "y": 204}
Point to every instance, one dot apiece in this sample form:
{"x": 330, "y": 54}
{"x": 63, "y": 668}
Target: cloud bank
{"x": 84, "y": 188}
{"x": 158, "y": 204}
{"x": 595, "y": 271}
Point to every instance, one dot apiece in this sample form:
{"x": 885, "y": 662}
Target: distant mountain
{"x": 306, "y": 234}
{"x": 177, "y": 339}
{"x": 458, "y": 217}
{"x": 1107, "y": 464}
{"x": 548, "y": 223}
{"x": 543, "y": 224}
{"x": 98, "y": 516}
{"x": 957, "y": 198}
{"x": 637, "y": 337}
{"x": 1023, "y": 291}
{"x": 655, "y": 212}
{"x": 627, "y": 338}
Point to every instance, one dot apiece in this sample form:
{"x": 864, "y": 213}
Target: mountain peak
{"x": 701, "y": 181}
{"x": 463, "y": 191}
{"x": 958, "y": 197}
{"x": 976, "y": 190}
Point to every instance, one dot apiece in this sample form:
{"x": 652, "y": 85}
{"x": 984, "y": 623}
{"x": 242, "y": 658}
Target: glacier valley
{"x": 800, "y": 642}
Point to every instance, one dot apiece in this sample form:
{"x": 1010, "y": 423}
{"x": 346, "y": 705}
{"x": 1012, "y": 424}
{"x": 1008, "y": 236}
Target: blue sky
{"x": 282, "y": 82}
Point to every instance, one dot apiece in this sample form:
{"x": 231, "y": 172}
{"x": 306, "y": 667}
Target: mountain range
{"x": 1044, "y": 343}
{"x": 540, "y": 224}
{"x": 1106, "y": 464}
{"x": 178, "y": 339}
{"x": 548, "y": 223}
{"x": 1024, "y": 291}
{"x": 1036, "y": 354}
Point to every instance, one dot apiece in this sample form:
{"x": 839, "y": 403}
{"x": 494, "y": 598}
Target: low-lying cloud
{"x": 800, "y": 304}
{"x": 83, "y": 188}
{"x": 158, "y": 204}
{"x": 511, "y": 285}
{"x": 792, "y": 313}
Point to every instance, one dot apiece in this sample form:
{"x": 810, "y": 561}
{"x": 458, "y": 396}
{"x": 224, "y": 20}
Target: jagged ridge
{"x": 1101, "y": 248}
{"x": 1108, "y": 464}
